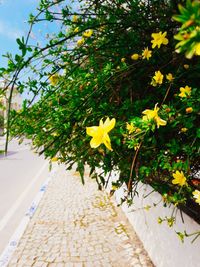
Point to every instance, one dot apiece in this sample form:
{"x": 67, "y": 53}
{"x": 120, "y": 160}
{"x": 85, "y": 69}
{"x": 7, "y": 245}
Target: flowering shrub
{"x": 106, "y": 66}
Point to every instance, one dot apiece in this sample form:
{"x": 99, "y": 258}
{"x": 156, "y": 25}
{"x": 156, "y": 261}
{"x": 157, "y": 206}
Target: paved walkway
{"x": 78, "y": 226}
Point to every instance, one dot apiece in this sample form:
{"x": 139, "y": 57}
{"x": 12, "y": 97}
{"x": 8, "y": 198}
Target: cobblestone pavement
{"x": 78, "y": 226}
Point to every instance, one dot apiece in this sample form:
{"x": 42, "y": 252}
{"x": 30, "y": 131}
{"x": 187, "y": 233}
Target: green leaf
{"x": 198, "y": 132}
{"x": 81, "y": 170}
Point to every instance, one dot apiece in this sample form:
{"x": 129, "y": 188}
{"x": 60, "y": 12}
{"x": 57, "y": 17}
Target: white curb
{"x": 13, "y": 243}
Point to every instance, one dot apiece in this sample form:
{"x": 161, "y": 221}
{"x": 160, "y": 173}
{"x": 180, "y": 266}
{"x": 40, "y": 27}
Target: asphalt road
{"x": 22, "y": 173}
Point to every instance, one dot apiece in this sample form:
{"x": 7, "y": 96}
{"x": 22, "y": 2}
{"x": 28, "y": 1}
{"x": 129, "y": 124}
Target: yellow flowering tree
{"x": 113, "y": 89}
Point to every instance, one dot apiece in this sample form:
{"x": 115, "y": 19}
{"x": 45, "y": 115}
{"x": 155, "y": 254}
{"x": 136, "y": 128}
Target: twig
{"x": 132, "y": 166}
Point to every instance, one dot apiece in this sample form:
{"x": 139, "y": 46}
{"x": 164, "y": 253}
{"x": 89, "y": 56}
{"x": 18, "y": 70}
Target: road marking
{"x": 19, "y": 201}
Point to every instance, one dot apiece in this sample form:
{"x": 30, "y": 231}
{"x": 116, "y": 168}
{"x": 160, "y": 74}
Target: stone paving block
{"x": 39, "y": 264}
{"x": 78, "y": 264}
{"x": 78, "y": 226}
{"x": 69, "y": 265}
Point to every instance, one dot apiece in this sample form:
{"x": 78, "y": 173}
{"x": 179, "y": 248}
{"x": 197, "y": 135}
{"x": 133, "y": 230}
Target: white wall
{"x": 160, "y": 241}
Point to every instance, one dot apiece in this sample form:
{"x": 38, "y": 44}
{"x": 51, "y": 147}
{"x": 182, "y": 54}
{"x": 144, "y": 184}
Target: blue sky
{"x": 13, "y": 24}
{"x": 13, "y": 17}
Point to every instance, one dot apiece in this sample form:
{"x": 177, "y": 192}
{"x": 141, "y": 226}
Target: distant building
{"x": 16, "y": 103}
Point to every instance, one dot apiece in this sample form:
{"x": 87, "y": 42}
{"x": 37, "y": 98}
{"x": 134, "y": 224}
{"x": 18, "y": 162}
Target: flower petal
{"x": 101, "y": 123}
{"x": 106, "y": 141}
{"x": 146, "y": 111}
{"x": 95, "y": 142}
{"x": 109, "y": 124}
{"x": 165, "y": 41}
{"x": 160, "y": 122}
{"x": 92, "y": 130}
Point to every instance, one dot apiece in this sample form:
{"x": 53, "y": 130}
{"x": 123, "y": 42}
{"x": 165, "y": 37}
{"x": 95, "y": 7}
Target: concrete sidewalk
{"x": 78, "y": 226}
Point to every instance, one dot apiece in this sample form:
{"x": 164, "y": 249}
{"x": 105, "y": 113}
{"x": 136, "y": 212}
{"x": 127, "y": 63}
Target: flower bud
{"x": 189, "y": 110}
{"x": 183, "y": 130}
{"x": 186, "y": 66}
{"x": 135, "y": 57}
{"x": 167, "y": 110}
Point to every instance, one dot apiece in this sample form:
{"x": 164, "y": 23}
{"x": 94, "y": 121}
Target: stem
{"x": 197, "y": 235}
{"x": 132, "y": 166}
{"x": 108, "y": 179}
{"x": 166, "y": 94}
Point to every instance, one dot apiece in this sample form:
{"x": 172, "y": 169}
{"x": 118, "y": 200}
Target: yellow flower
{"x": 169, "y": 77}
{"x": 146, "y": 53}
{"x": 88, "y": 33}
{"x": 135, "y": 57}
{"x": 147, "y": 207}
{"x": 159, "y": 121}
{"x": 123, "y": 59}
{"x": 186, "y": 66}
{"x": 197, "y": 49}
{"x": 55, "y": 134}
{"x": 196, "y": 195}
{"x": 114, "y": 187}
{"x": 189, "y": 110}
{"x": 76, "y": 30}
{"x": 158, "y": 39}
{"x": 54, "y": 159}
{"x": 54, "y": 79}
{"x": 170, "y": 221}
{"x": 157, "y": 78}
{"x": 75, "y": 18}
{"x": 184, "y": 130}
{"x": 181, "y": 236}
{"x": 100, "y": 133}
{"x": 150, "y": 114}
{"x": 153, "y": 114}
{"x": 185, "y": 91}
{"x": 136, "y": 147}
{"x": 130, "y": 128}
{"x": 80, "y": 41}
{"x": 179, "y": 178}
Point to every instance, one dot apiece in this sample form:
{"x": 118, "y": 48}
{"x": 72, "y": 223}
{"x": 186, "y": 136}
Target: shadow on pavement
{"x": 10, "y": 153}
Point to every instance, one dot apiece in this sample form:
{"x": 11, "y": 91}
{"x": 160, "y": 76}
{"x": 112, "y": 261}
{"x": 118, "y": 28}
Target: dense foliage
{"x": 109, "y": 90}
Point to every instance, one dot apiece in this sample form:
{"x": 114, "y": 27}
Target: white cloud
{"x": 2, "y": 2}
{"x": 9, "y": 31}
